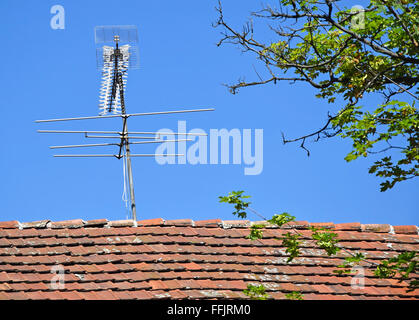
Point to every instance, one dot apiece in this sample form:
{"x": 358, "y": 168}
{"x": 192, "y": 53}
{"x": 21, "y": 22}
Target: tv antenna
{"x": 116, "y": 52}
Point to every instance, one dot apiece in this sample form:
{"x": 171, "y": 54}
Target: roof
{"x": 185, "y": 259}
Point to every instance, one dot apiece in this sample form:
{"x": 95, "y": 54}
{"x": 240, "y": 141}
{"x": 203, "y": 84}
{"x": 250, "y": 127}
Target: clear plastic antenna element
{"x": 114, "y": 79}
{"x": 105, "y": 36}
{"x": 117, "y": 52}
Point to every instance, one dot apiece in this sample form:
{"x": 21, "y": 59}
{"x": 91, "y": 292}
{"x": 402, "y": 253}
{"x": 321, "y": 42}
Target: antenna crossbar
{"x": 84, "y": 145}
{"x": 159, "y": 141}
{"x": 115, "y": 155}
{"x": 126, "y": 115}
{"x": 114, "y": 144}
{"x": 119, "y": 132}
{"x": 122, "y": 136}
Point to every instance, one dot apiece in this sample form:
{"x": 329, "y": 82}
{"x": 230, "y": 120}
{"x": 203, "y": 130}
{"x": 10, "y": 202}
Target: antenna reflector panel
{"x": 106, "y": 34}
{"x": 127, "y": 35}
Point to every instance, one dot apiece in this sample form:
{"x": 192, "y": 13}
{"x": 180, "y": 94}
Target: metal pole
{"x": 131, "y": 182}
{"x": 118, "y": 81}
{"x": 129, "y": 167}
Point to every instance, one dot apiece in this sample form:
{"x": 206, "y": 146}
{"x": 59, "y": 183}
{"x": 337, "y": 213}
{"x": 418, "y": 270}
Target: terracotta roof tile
{"x": 141, "y": 294}
{"x": 17, "y": 295}
{"x": 209, "y": 223}
{"x": 236, "y": 224}
{"x": 376, "y": 227}
{"x": 297, "y": 225}
{"x": 123, "y": 295}
{"x": 35, "y": 224}
{"x": 71, "y": 295}
{"x": 151, "y": 222}
{"x": 96, "y": 223}
{"x": 9, "y": 224}
{"x": 68, "y": 224}
{"x": 179, "y": 222}
{"x": 182, "y": 259}
{"x": 327, "y": 225}
{"x": 356, "y": 226}
{"x": 406, "y": 229}
{"x": 121, "y": 223}
{"x": 178, "y": 294}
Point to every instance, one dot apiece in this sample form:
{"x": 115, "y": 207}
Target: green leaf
{"x": 402, "y": 265}
{"x": 281, "y": 219}
{"x": 347, "y": 266}
{"x": 327, "y": 241}
{"x": 255, "y": 232}
{"x": 338, "y": 58}
{"x": 291, "y": 242}
{"x": 295, "y": 295}
{"x": 256, "y": 292}
{"x": 235, "y": 198}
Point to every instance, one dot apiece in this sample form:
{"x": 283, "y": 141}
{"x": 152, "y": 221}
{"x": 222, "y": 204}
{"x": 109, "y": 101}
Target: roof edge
{"x": 213, "y": 223}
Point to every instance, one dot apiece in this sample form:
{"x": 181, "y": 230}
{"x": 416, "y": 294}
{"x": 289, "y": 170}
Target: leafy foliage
{"x": 281, "y": 219}
{"x": 403, "y": 264}
{"x": 235, "y": 197}
{"x": 255, "y": 232}
{"x": 390, "y": 120}
{"x": 256, "y": 292}
{"x": 326, "y": 240}
{"x": 347, "y": 54}
{"x": 291, "y": 242}
{"x": 295, "y": 295}
{"x": 347, "y": 266}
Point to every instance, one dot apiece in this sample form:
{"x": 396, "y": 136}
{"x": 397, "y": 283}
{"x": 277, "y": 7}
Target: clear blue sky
{"x": 49, "y": 73}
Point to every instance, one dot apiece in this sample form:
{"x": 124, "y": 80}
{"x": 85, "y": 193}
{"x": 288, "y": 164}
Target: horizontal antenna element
{"x": 126, "y": 115}
{"x": 114, "y": 144}
{"x": 119, "y": 132}
{"x": 114, "y": 155}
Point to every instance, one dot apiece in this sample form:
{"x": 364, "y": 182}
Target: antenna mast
{"x": 114, "y": 61}
{"x": 118, "y": 85}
